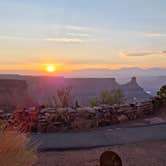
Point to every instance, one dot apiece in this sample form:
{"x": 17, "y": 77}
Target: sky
{"x": 81, "y": 34}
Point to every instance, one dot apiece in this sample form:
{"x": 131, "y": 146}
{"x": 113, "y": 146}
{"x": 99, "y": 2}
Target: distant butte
{"x": 41, "y": 89}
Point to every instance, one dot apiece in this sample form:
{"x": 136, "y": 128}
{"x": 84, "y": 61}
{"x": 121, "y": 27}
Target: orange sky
{"x": 34, "y": 34}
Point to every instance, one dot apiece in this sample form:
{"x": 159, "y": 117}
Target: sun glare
{"x": 51, "y": 68}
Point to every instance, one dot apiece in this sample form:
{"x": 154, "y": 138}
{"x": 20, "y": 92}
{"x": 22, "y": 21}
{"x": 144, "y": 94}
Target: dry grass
{"x": 14, "y": 149}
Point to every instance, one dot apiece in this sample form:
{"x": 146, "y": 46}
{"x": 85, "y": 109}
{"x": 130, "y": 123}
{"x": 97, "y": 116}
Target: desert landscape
{"x": 82, "y": 83}
{"x": 120, "y": 118}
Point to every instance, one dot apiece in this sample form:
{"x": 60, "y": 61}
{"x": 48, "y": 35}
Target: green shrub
{"x": 108, "y": 97}
{"x": 162, "y": 94}
{"x": 93, "y": 102}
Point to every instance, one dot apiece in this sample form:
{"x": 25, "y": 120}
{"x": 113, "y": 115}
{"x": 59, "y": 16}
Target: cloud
{"x": 65, "y": 40}
{"x": 64, "y": 34}
{"x": 15, "y": 38}
{"x": 50, "y": 39}
{"x": 79, "y": 34}
{"x": 145, "y": 53}
{"x": 78, "y": 28}
{"x": 155, "y": 35}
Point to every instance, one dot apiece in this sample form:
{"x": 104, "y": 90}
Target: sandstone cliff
{"x": 133, "y": 91}
{"x": 84, "y": 89}
{"x": 13, "y": 93}
{"x": 42, "y": 89}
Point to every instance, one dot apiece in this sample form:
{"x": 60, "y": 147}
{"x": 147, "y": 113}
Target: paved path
{"x": 99, "y": 138}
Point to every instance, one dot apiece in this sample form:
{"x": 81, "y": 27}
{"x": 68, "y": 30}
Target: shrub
{"x": 64, "y": 96}
{"x": 93, "y": 102}
{"x": 162, "y": 94}
{"x": 14, "y": 149}
{"x": 108, "y": 97}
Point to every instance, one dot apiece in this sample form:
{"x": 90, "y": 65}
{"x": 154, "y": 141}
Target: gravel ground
{"x": 141, "y": 154}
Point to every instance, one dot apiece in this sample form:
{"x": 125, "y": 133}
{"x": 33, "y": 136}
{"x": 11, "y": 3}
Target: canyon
{"x": 41, "y": 90}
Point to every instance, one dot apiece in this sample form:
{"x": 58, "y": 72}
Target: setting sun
{"x": 51, "y": 68}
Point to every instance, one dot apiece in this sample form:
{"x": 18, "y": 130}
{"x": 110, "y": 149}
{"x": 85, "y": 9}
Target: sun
{"x": 51, "y": 68}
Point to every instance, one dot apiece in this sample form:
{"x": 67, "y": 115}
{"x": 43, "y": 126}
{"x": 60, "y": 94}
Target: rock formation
{"x": 133, "y": 91}
{"x": 42, "y": 89}
{"x": 13, "y": 93}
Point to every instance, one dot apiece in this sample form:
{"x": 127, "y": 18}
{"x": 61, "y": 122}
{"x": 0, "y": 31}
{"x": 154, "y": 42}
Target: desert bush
{"x": 14, "y": 149}
{"x": 93, "y": 102}
{"x": 108, "y": 97}
{"x": 63, "y": 97}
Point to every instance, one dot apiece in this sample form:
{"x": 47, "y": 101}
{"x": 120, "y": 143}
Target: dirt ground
{"x": 141, "y": 154}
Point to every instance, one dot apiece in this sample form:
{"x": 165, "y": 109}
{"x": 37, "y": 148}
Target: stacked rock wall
{"x": 62, "y": 119}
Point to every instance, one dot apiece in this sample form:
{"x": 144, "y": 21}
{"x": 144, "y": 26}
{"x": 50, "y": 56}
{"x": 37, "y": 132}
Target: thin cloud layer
{"x": 79, "y": 34}
{"x": 51, "y": 39}
{"x": 145, "y": 53}
{"x": 78, "y": 28}
{"x": 65, "y": 40}
{"x": 155, "y": 35}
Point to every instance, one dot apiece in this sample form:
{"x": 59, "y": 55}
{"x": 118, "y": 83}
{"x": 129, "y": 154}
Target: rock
{"x": 48, "y": 110}
{"x": 155, "y": 120}
{"x": 83, "y": 124}
{"x": 2, "y": 112}
{"x": 86, "y": 109}
{"x": 122, "y": 118}
{"x": 61, "y": 110}
{"x": 97, "y": 108}
{"x": 62, "y": 119}
{"x": 71, "y": 110}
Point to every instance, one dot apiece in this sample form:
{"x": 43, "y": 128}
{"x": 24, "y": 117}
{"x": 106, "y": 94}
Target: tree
{"x": 162, "y": 94}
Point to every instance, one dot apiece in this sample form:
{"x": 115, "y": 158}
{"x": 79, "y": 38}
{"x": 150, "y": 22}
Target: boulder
{"x": 122, "y": 118}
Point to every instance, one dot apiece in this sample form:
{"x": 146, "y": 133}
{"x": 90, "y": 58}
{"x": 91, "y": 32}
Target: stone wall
{"x": 62, "y": 119}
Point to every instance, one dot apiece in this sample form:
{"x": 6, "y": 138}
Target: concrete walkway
{"x": 98, "y": 138}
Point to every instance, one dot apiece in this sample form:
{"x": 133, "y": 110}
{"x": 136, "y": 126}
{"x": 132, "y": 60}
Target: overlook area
{"x": 82, "y": 83}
